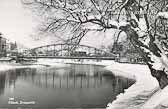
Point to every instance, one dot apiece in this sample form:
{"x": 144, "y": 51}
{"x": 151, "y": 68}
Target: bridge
{"x": 68, "y": 51}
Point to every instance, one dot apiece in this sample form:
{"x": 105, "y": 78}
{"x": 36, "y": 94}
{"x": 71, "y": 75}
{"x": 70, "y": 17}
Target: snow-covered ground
{"x": 40, "y": 63}
{"x": 9, "y": 66}
{"x": 144, "y": 94}
{"x": 48, "y": 62}
{"x": 138, "y": 94}
{"x": 58, "y": 62}
{"x": 158, "y": 101}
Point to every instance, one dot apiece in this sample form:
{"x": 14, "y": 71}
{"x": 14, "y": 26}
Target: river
{"x": 69, "y": 86}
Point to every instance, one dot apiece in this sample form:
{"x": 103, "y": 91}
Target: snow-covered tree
{"x": 143, "y": 21}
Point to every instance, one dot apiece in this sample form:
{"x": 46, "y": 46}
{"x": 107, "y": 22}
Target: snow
{"x": 162, "y": 98}
{"x": 62, "y": 62}
{"x": 113, "y": 22}
{"x": 91, "y": 26}
{"x": 9, "y": 66}
{"x": 159, "y": 63}
{"x": 122, "y": 24}
{"x": 163, "y": 14}
{"x": 118, "y": 24}
{"x": 50, "y": 62}
{"x": 94, "y": 16}
{"x": 143, "y": 94}
{"x": 135, "y": 96}
{"x": 158, "y": 100}
{"x": 142, "y": 24}
{"x": 53, "y": 63}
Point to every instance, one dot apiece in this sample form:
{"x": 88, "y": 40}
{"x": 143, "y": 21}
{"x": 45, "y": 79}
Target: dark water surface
{"x": 71, "y": 86}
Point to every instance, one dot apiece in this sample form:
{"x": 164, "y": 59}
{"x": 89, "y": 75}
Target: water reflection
{"x": 2, "y": 83}
{"x": 71, "y": 86}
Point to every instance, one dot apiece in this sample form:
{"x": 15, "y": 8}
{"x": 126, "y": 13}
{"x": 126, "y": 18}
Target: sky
{"x": 18, "y": 24}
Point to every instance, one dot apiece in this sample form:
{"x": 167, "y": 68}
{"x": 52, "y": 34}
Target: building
{"x": 7, "y": 47}
{"x": 11, "y": 48}
{"x": 2, "y": 46}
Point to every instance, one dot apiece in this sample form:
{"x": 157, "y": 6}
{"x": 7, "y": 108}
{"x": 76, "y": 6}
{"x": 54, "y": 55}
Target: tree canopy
{"x": 100, "y": 15}
{"x": 145, "y": 23}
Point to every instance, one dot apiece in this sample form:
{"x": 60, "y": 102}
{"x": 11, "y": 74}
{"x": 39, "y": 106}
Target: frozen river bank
{"x": 139, "y": 93}
{"x": 145, "y": 93}
{"x": 61, "y": 85}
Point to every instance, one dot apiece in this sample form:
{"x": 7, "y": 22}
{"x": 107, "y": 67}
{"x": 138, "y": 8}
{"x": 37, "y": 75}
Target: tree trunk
{"x": 152, "y": 55}
{"x": 160, "y": 75}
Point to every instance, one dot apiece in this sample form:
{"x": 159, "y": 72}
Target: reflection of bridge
{"x": 68, "y": 51}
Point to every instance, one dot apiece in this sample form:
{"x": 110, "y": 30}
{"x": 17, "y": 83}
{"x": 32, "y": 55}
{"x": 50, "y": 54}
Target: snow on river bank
{"x": 139, "y": 95}
{"x": 136, "y": 96}
{"x": 9, "y": 66}
{"x": 144, "y": 94}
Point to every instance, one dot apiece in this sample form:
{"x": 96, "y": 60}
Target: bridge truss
{"x": 67, "y": 50}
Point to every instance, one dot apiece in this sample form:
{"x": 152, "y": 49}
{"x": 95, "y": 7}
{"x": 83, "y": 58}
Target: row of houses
{"x": 7, "y": 47}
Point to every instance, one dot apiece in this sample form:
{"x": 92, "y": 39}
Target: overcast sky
{"x": 18, "y": 23}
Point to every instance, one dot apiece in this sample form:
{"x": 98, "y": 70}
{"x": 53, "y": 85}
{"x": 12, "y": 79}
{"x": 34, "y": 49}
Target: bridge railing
{"x": 62, "y": 50}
